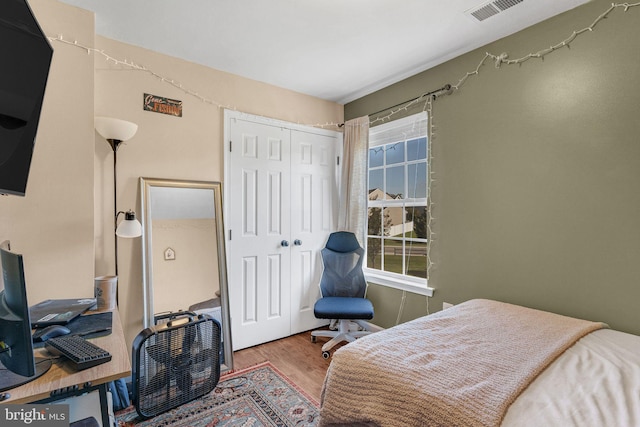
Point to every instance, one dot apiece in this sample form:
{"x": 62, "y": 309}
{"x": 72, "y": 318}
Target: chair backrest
{"x": 342, "y": 276}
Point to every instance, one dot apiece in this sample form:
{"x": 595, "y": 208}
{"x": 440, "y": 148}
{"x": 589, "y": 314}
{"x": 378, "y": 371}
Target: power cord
{"x": 402, "y": 301}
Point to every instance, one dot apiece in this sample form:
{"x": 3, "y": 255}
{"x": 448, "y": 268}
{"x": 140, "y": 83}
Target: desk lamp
{"x": 116, "y": 131}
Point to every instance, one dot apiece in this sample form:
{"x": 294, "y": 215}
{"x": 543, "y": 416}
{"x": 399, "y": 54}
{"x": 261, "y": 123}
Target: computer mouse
{"x": 50, "y": 332}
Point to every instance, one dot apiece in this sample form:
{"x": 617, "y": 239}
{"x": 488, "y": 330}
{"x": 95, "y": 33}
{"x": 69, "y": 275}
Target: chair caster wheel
{"x": 326, "y": 355}
{"x": 313, "y": 339}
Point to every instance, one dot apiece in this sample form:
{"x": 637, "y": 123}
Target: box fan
{"x": 175, "y": 362}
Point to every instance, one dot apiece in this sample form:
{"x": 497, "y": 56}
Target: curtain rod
{"x": 445, "y": 88}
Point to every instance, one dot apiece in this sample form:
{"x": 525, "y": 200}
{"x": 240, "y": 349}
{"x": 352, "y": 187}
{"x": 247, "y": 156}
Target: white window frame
{"x": 403, "y": 129}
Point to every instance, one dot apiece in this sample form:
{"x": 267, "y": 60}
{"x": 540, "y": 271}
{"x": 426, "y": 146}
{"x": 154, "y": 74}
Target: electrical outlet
{"x": 446, "y": 305}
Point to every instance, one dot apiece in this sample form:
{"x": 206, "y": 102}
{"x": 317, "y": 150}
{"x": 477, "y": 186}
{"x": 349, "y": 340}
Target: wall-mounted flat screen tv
{"x": 26, "y": 55}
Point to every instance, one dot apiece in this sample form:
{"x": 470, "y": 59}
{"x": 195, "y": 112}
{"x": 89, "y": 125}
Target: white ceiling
{"x": 338, "y": 50}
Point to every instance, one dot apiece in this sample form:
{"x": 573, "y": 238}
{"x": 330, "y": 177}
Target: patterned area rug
{"x": 252, "y": 397}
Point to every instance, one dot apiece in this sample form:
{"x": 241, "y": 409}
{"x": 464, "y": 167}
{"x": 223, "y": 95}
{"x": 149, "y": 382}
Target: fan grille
{"x": 177, "y": 365}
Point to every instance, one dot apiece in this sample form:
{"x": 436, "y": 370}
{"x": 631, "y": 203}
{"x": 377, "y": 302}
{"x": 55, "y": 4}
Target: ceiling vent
{"x": 490, "y": 9}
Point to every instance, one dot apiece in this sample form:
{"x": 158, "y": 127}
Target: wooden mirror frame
{"x": 146, "y": 185}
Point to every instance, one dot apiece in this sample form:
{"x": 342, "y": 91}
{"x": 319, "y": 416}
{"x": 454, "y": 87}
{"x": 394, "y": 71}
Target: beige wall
{"x": 64, "y": 225}
{"x": 52, "y": 226}
{"x": 191, "y": 277}
{"x": 538, "y": 173}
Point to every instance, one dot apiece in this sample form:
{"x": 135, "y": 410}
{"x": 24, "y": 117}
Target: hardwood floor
{"x": 295, "y": 356}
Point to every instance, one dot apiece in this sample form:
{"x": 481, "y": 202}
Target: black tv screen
{"x": 26, "y": 56}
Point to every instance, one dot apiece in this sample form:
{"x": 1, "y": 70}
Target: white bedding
{"x": 594, "y": 383}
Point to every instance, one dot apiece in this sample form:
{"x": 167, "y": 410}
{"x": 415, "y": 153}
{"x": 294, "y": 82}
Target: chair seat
{"x": 343, "y": 308}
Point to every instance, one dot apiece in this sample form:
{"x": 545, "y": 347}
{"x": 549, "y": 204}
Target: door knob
{"x": 297, "y": 242}
{"x": 284, "y": 243}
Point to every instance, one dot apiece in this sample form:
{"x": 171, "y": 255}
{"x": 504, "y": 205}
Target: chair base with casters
{"x": 348, "y": 312}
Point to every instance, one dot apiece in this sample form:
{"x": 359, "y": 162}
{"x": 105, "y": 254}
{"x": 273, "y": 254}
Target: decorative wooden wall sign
{"x": 159, "y": 104}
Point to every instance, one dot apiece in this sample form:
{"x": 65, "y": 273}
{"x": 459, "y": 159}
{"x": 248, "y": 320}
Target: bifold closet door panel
{"x": 259, "y": 258}
{"x": 314, "y": 206}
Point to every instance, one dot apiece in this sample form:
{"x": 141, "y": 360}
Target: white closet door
{"x": 280, "y": 206}
{"x": 258, "y": 221}
{"x": 313, "y": 216}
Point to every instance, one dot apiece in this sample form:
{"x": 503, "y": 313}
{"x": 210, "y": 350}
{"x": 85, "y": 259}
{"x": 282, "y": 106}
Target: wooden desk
{"x": 61, "y": 376}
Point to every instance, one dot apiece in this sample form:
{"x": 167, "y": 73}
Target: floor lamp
{"x": 116, "y": 131}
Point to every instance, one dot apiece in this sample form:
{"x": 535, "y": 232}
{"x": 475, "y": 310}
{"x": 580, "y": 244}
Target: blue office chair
{"x": 343, "y": 289}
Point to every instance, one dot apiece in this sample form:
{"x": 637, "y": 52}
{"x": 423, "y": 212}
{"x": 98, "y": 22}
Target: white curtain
{"x": 353, "y": 184}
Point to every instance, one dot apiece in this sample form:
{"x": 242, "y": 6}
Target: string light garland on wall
{"x": 430, "y": 139}
{"x": 498, "y": 60}
{"x": 428, "y": 98}
{"x": 503, "y": 58}
{"x": 133, "y": 66}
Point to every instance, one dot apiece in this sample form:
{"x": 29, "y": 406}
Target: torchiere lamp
{"x": 116, "y": 131}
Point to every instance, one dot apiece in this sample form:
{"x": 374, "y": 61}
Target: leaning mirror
{"x": 184, "y": 253}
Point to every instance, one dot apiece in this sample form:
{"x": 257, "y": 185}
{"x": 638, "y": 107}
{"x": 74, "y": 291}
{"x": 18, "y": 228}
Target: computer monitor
{"x": 19, "y": 365}
{"x": 26, "y": 59}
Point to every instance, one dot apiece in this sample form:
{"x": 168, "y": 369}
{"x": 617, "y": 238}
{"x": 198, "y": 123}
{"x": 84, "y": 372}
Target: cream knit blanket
{"x": 462, "y": 366}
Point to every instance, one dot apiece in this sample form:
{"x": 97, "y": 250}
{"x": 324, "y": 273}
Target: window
{"x": 397, "y": 202}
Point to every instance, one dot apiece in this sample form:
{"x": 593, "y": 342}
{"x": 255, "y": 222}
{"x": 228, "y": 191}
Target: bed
{"x": 486, "y": 363}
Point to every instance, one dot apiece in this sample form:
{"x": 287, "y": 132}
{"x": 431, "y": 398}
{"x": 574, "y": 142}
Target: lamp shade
{"x": 117, "y": 129}
{"x": 130, "y": 227}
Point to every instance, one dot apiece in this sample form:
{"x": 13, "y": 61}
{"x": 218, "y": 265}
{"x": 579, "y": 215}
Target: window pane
{"x": 395, "y": 153}
{"x": 376, "y": 156}
{"x": 376, "y": 184}
{"x": 374, "y": 255}
{"x": 417, "y": 222}
{"x": 417, "y": 149}
{"x": 417, "y": 180}
{"x": 393, "y": 256}
{"x": 375, "y": 222}
{"x": 395, "y": 182}
{"x": 416, "y": 259}
{"x": 393, "y": 221}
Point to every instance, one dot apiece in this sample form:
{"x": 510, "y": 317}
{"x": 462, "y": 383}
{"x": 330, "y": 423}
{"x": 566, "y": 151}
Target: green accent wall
{"x": 537, "y": 173}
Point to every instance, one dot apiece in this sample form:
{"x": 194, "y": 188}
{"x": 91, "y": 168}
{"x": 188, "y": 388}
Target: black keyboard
{"x": 81, "y": 353}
